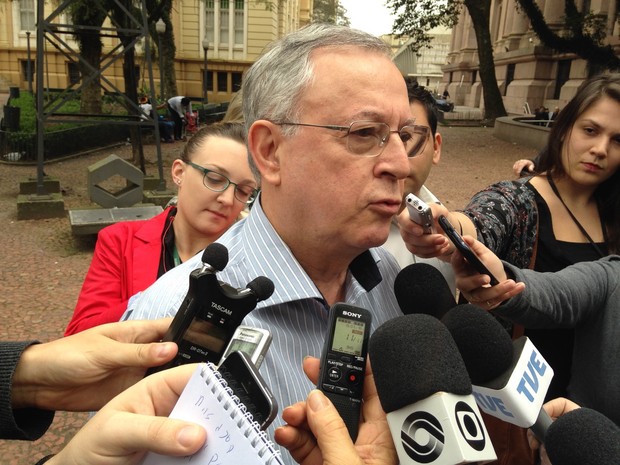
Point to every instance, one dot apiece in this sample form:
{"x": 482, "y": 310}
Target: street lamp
{"x": 205, "y": 99}
{"x": 29, "y": 64}
{"x": 160, "y": 27}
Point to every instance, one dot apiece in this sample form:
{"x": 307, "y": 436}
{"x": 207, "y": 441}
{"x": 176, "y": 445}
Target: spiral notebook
{"x": 233, "y": 438}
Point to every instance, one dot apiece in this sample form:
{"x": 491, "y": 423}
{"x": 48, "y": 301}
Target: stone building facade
{"x": 529, "y": 74}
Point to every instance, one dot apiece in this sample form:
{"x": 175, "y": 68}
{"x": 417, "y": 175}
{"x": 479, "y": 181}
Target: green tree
{"x": 414, "y": 18}
{"x": 329, "y": 11}
{"x": 584, "y": 34}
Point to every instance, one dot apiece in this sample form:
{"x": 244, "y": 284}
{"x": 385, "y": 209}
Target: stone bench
{"x": 92, "y": 220}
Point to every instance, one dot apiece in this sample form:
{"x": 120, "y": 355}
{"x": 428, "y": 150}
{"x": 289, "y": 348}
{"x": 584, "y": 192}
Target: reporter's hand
{"x": 135, "y": 422}
{"x": 83, "y": 371}
{"x": 316, "y": 434}
{"x": 521, "y": 165}
{"x": 474, "y": 286}
{"x": 555, "y": 408}
{"x": 425, "y": 245}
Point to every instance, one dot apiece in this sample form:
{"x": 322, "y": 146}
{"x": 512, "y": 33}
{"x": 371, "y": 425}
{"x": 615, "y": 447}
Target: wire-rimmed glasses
{"x": 369, "y": 138}
{"x": 217, "y": 182}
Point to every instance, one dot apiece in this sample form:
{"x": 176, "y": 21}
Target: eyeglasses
{"x": 369, "y": 138}
{"x": 217, "y": 182}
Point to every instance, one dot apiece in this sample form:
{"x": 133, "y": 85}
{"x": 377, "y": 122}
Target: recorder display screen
{"x": 349, "y": 336}
{"x": 205, "y": 334}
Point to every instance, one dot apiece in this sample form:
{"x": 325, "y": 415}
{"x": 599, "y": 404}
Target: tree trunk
{"x": 90, "y": 50}
{"x": 479, "y": 11}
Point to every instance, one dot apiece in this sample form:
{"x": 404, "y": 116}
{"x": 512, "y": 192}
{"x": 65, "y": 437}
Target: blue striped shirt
{"x": 296, "y": 313}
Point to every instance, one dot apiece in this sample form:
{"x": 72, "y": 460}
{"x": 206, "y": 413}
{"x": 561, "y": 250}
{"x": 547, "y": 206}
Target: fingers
{"x": 300, "y": 443}
{"x": 559, "y": 406}
{"x": 490, "y": 297}
{"x": 311, "y": 366}
{"x": 295, "y": 415}
{"x": 330, "y": 431}
{"x": 138, "y": 331}
{"x": 166, "y": 436}
{"x": 532, "y": 441}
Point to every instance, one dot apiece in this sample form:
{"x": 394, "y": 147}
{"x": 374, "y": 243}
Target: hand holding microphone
{"x": 578, "y": 436}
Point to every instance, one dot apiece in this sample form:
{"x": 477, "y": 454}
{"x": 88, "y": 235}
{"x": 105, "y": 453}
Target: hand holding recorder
{"x": 475, "y": 286}
{"x": 424, "y": 242}
{"x": 315, "y": 433}
{"x": 211, "y": 311}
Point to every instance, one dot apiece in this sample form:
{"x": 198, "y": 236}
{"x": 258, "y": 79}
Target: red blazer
{"x": 125, "y": 262}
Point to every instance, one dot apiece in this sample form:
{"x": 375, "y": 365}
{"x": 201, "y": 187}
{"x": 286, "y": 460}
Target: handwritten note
{"x": 232, "y": 438}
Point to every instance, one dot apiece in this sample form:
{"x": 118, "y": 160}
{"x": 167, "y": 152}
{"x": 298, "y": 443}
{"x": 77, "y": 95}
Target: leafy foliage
{"x": 330, "y": 11}
{"x": 584, "y": 34}
{"x": 414, "y": 18}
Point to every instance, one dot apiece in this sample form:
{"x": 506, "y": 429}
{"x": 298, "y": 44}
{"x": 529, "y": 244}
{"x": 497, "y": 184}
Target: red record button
{"x": 353, "y": 377}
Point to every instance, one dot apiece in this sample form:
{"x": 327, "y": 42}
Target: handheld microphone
{"x": 425, "y": 390}
{"x": 510, "y": 378}
{"x": 421, "y": 288}
{"x": 583, "y": 437}
{"x": 211, "y": 311}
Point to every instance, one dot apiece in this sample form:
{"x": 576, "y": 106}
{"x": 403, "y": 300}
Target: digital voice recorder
{"x": 343, "y": 361}
{"x": 209, "y": 314}
{"x": 252, "y": 341}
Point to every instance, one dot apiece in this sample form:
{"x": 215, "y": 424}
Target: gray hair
{"x": 274, "y": 84}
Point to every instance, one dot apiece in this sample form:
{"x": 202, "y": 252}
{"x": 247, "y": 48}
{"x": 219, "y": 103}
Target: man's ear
{"x": 437, "y": 141}
{"x": 264, "y": 139}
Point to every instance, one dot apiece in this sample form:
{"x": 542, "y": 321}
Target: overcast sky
{"x": 369, "y": 15}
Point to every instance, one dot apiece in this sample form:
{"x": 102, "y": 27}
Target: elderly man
{"x": 330, "y": 132}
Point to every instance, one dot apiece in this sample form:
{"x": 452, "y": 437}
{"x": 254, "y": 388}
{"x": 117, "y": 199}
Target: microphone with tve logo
{"x": 510, "y": 379}
{"x": 425, "y": 390}
{"x": 211, "y": 311}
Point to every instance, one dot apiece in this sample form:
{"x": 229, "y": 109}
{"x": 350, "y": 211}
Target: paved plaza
{"x": 43, "y": 265}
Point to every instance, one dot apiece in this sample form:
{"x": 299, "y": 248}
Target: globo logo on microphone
{"x": 422, "y": 437}
{"x": 444, "y": 429}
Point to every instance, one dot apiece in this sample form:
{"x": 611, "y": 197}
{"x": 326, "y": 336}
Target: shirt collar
{"x": 268, "y": 255}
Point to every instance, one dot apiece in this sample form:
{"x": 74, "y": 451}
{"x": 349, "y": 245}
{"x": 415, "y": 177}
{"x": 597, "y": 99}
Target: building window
{"x": 562, "y": 76}
{"x": 222, "y": 81}
{"x": 236, "y": 79}
{"x": 225, "y": 22}
{"x": 239, "y": 22}
{"x": 208, "y": 75}
{"x": 474, "y": 76}
{"x": 74, "y": 72}
{"x": 27, "y": 15}
{"x": 510, "y": 76}
{"x": 24, "y": 69}
{"x": 210, "y": 19}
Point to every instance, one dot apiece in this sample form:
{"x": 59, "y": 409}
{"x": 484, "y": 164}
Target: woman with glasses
{"x": 215, "y": 184}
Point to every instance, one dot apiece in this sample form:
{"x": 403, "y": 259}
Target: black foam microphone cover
{"x": 421, "y": 288}
{"x": 262, "y": 287}
{"x": 484, "y": 344}
{"x": 216, "y": 255}
{"x": 414, "y": 357}
{"x": 583, "y": 437}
